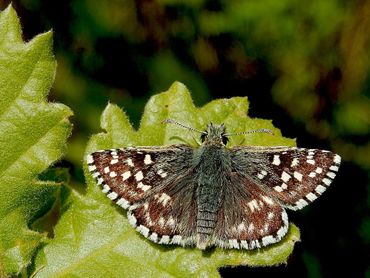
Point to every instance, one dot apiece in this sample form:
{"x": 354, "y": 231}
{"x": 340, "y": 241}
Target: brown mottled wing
{"x": 249, "y": 218}
{"x": 169, "y": 216}
{"x": 145, "y": 181}
{"x": 293, "y": 176}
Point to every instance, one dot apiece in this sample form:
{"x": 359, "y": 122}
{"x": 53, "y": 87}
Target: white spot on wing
{"x": 318, "y": 170}
{"x": 298, "y": 175}
{"x": 146, "y": 206}
{"x": 301, "y": 203}
{"x": 161, "y": 221}
{"x": 276, "y": 160}
{"x": 154, "y": 237}
{"x": 311, "y": 161}
{"x": 114, "y": 161}
{"x": 326, "y": 181}
{"x": 310, "y": 196}
{"x": 106, "y": 188}
{"x": 89, "y": 159}
{"x": 112, "y": 195}
{"x": 123, "y": 203}
{"x": 106, "y": 170}
{"x": 143, "y": 230}
{"x": 139, "y": 176}
{"x": 129, "y": 162}
{"x": 252, "y": 244}
{"x": 284, "y": 216}
{"x": 165, "y": 240}
{"x": 171, "y": 222}
{"x": 312, "y": 175}
{"x": 162, "y": 173}
{"x": 330, "y": 175}
{"x": 268, "y": 200}
{"x": 148, "y": 159}
{"x": 285, "y": 176}
{"x": 278, "y": 188}
{"x": 126, "y": 175}
{"x": 334, "y": 168}
{"x": 268, "y": 240}
{"x": 261, "y": 174}
{"x": 253, "y": 205}
{"x": 241, "y": 227}
{"x": 131, "y": 219}
{"x": 295, "y": 162}
{"x": 233, "y": 243}
{"x": 337, "y": 159}
{"x": 320, "y": 189}
{"x": 143, "y": 186}
{"x": 92, "y": 168}
{"x": 164, "y": 199}
{"x": 244, "y": 244}
{"x": 257, "y": 244}
{"x": 176, "y": 239}
{"x": 112, "y": 174}
{"x": 281, "y": 232}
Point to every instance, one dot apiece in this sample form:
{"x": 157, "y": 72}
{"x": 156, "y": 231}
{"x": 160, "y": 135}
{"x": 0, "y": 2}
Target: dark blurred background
{"x": 304, "y": 64}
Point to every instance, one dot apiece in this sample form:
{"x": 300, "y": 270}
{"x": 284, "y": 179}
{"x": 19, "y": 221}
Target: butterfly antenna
{"x": 262, "y": 130}
{"x": 170, "y": 121}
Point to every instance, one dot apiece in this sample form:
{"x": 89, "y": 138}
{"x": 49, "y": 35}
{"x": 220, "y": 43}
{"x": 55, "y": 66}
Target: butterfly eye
{"x": 225, "y": 139}
{"x": 203, "y": 137}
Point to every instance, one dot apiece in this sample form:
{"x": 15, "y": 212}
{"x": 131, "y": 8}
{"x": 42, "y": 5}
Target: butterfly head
{"x": 214, "y": 134}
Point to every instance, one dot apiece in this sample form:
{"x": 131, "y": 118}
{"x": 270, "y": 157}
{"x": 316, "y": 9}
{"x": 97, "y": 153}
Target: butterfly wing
{"x": 169, "y": 216}
{"x": 249, "y": 218}
{"x": 293, "y": 176}
{"x": 149, "y": 181}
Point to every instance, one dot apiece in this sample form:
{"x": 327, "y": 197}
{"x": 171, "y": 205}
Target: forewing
{"x": 155, "y": 184}
{"x": 294, "y": 176}
{"x": 249, "y": 218}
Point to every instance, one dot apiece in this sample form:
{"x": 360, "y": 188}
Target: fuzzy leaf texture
{"x": 33, "y": 134}
{"x": 94, "y": 238}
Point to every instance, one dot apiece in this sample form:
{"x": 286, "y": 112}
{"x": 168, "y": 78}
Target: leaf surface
{"x": 33, "y": 133}
{"x": 94, "y": 238}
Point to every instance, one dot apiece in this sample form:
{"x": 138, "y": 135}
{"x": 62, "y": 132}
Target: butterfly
{"x": 212, "y": 195}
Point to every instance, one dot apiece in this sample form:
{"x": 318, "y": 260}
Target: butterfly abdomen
{"x": 210, "y": 176}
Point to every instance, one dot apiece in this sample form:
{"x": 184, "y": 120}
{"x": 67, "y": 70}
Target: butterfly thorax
{"x": 213, "y": 161}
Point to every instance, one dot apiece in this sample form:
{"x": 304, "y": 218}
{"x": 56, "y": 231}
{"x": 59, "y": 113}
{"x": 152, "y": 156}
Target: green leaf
{"x": 32, "y": 136}
{"x": 94, "y": 238}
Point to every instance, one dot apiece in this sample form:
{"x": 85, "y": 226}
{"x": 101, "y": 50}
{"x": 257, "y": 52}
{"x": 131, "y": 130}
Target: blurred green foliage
{"x": 303, "y": 64}
{"x": 317, "y": 54}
